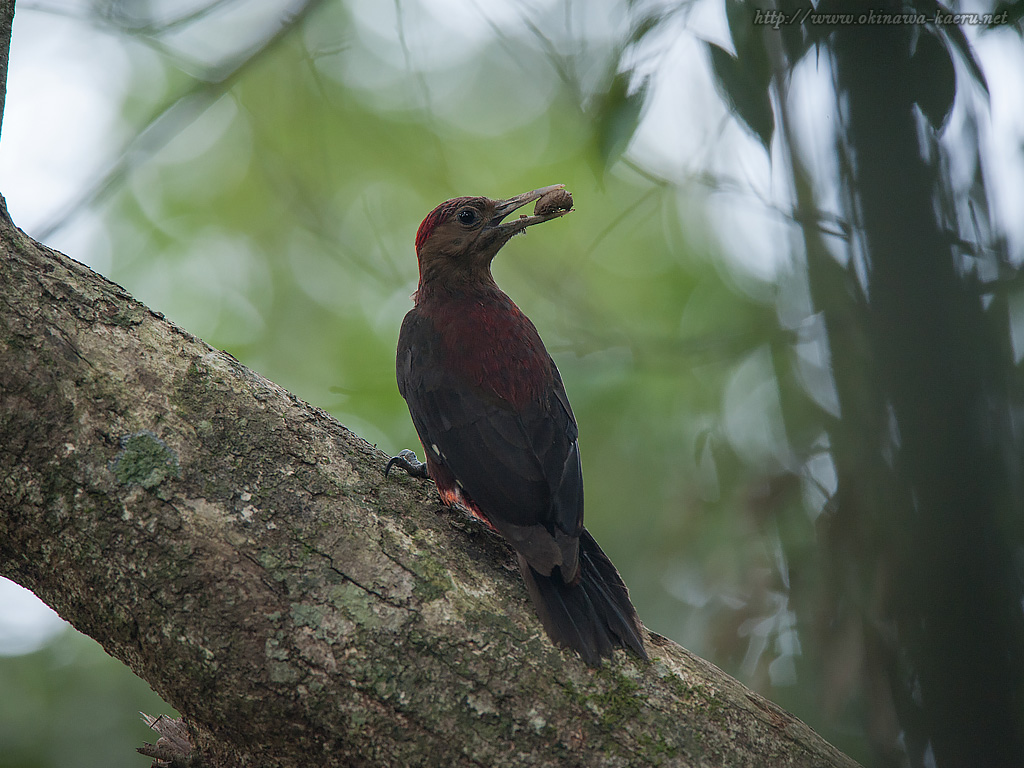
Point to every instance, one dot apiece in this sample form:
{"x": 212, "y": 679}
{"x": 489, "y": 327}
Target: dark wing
{"x": 521, "y": 467}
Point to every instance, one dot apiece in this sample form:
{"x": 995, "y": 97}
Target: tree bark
{"x": 6, "y": 23}
{"x": 241, "y": 551}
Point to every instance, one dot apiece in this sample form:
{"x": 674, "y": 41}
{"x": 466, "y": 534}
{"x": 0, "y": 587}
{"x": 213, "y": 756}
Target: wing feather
{"x": 519, "y": 465}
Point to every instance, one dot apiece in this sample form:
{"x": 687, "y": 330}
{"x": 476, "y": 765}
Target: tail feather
{"x": 592, "y": 616}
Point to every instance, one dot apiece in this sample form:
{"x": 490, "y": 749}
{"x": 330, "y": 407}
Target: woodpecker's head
{"x": 457, "y": 241}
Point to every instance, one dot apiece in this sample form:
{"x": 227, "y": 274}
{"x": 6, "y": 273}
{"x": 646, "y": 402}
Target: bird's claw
{"x": 407, "y": 460}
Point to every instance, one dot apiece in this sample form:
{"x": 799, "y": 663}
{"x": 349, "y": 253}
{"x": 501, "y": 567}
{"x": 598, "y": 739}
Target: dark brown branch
{"x": 6, "y": 22}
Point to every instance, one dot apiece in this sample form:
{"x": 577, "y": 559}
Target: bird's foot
{"x": 407, "y": 460}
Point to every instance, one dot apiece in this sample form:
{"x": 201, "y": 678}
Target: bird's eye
{"x": 467, "y": 217}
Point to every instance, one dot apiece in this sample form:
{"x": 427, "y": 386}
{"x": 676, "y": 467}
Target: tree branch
{"x": 176, "y": 113}
{"x": 241, "y": 552}
{"x": 6, "y": 23}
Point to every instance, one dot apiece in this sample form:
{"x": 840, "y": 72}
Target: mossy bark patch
{"x": 144, "y": 460}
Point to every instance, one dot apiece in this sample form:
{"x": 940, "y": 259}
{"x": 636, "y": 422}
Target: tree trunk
{"x": 934, "y": 488}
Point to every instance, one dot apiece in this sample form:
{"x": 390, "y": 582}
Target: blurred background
{"x": 788, "y": 308}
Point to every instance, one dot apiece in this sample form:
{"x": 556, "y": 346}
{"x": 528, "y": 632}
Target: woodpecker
{"x": 499, "y": 435}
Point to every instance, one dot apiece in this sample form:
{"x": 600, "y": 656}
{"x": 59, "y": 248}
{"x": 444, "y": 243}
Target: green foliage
{"x": 746, "y": 89}
{"x": 744, "y": 79}
{"x": 71, "y": 704}
{"x": 1014, "y": 13}
{"x": 617, "y": 117}
{"x": 935, "y": 79}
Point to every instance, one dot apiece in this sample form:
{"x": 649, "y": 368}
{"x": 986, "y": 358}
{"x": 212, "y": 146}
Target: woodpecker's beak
{"x": 504, "y": 207}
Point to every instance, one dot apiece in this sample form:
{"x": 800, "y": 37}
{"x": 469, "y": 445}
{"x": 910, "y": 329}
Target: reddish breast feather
{"x": 493, "y": 344}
